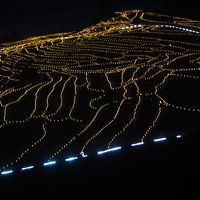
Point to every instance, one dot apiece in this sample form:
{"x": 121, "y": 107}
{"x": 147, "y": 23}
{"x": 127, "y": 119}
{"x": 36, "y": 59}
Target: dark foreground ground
{"x": 166, "y": 166}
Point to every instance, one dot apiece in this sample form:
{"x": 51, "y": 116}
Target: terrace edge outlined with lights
{"x": 74, "y": 158}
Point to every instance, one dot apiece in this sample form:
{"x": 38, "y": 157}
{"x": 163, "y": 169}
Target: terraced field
{"x": 128, "y": 79}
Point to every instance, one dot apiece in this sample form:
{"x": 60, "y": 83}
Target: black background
{"x": 21, "y": 19}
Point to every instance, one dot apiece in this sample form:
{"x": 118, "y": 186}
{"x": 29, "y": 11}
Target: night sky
{"x": 22, "y": 19}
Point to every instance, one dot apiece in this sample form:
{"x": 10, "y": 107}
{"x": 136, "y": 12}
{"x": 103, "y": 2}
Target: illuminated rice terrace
{"x": 112, "y": 84}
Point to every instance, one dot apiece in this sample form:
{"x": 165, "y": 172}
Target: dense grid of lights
{"x": 107, "y": 69}
{"x": 82, "y": 155}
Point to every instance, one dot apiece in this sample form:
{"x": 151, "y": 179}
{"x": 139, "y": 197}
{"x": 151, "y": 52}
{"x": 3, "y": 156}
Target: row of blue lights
{"x": 162, "y": 25}
{"x": 50, "y": 163}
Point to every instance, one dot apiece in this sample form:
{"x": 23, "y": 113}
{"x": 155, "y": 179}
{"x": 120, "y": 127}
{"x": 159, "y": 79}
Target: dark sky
{"x": 35, "y": 7}
{"x": 22, "y": 18}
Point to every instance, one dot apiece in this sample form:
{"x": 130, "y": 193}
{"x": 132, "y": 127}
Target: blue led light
{"x": 137, "y": 144}
{"x": 108, "y": 150}
{"x": 7, "y": 172}
{"x": 71, "y": 159}
{"x": 83, "y": 155}
{"x": 49, "y": 163}
{"x": 160, "y": 139}
{"x": 27, "y": 168}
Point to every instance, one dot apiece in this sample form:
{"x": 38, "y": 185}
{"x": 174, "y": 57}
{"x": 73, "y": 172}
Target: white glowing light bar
{"x": 71, "y": 159}
{"x": 27, "y": 168}
{"x": 7, "y": 172}
{"x": 160, "y": 139}
{"x": 178, "y": 136}
{"x": 49, "y": 163}
{"x": 137, "y": 144}
{"x": 109, "y": 150}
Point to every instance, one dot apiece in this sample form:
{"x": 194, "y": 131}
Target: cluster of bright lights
{"x": 71, "y": 159}
{"x": 161, "y": 26}
{"x": 97, "y": 81}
